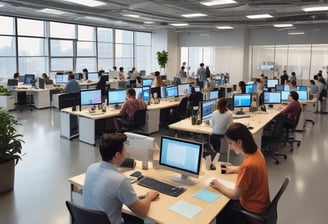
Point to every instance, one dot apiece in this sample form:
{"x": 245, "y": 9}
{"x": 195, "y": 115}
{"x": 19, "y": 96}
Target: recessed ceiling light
{"x": 89, "y": 3}
{"x": 282, "y": 25}
{"x": 179, "y": 24}
{"x": 295, "y": 33}
{"x": 315, "y": 9}
{"x": 194, "y": 15}
{"x": 259, "y": 16}
{"x": 224, "y": 27}
{"x": 132, "y": 15}
{"x": 218, "y": 2}
{"x": 99, "y": 19}
{"x": 2, "y": 5}
{"x": 51, "y": 11}
{"x": 149, "y": 22}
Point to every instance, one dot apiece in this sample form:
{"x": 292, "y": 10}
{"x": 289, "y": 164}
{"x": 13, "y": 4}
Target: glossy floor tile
{"x": 41, "y": 185}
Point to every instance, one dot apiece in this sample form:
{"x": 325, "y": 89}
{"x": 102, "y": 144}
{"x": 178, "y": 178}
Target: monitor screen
{"x": 271, "y": 83}
{"x": 181, "y": 156}
{"x": 29, "y": 79}
{"x": 147, "y": 82}
{"x": 12, "y": 82}
{"x": 171, "y": 91}
{"x": 251, "y": 88}
{"x": 90, "y": 97}
{"x": 116, "y": 96}
{"x": 272, "y": 98}
{"x": 302, "y": 95}
{"x": 146, "y": 94}
{"x": 214, "y": 94}
{"x": 78, "y": 76}
{"x": 156, "y": 90}
{"x": 207, "y": 108}
{"x": 242, "y": 100}
{"x": 61, "y": 77}
{"x": 182, "y": 88}
{"x": 139, "y": 147}
{"x": 301, "y": 88}
{"x": 138, "y": 91}
{"x": 284, "y": 95}
{"x": 21, "y": 78}
{"x": 279, "y": 87}
{"x": 162, "y": 91}
{"x": 218, "y": 82}
{"x": 93, "y": 76}
{"x": 286, "y": 88}
{"x": 197, "y": 89}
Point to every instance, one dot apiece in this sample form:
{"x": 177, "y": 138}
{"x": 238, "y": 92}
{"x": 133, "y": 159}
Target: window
{"x": 7, "y": 25}
{"x": 105, "y": 49}
{"x": 143, "y": 51}
{"x": 61, "y": 47}
{"x": 28, "y": 27}
{"x": 124, "y": 49}
{"x": 62, "y": 30}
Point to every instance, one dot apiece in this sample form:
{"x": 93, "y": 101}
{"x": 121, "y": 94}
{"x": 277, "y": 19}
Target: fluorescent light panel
{"x": 218, "y": 2}
{"x": 51, "y": 11}
{"x": 259, "y": 16}
{"x": 282, "y": 25}
{"x": 179, "y": 24}
{"x": 89, "y": 3}
{"x": 224, "y": 27}
{"x": 2, "y": 5}
{"x": 295, "y": 33}
{"x": 132, "y": 15}
{"x": 315, "y": 9}
{"x": 194, "y": 15}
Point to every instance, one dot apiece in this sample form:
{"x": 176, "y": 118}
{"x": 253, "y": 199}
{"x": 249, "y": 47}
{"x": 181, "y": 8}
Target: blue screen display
{"x": 208, "y": 107}
{"x": 147, "y": 82}
{"x": 242, "y": 100}
{"x": 271, "y": 83}
{"x": 171, "y": 91}
{"x": 93, "y": 76}
{"x": 272, "y": 97}
{"x": 284, "y": 95}
{"x": 90, "y": 97}
{"x": 302, "y": 95}
{"x": 116, "y": 96}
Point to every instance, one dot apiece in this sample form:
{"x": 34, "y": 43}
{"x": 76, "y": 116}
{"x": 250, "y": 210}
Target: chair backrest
{"x": 271, "y": 213}
{"x": 182, "y": 108}
{"x": 297, "y": 118}
{"x": 139, "y": 118}
{"x": 277, "y": 129}
{"x": 82, "y": 215}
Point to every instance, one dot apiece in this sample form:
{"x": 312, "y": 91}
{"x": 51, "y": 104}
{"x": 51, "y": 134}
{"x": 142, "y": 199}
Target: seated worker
{"x": 130, "y": 106}
{"x": 85, "y": 74}
{"x": 102, "y": 84}
{"x": 106, "y": 189}
{"x": 194, "y": 99}
{"x": 72, "y": 86}
{"x": 292, "y": 108}
{"x": 252, "y": 187}
{"x": 138, "y": 82}
{"x": 16, "y": 75}
{"x": 241, "y": 87}
{"x": 157, "y": 82}
{"x": 121, "y": 74}
{"x": 259, "y": 85}
{"x": 221, "y": 118}
{"x": 292, "y": 85}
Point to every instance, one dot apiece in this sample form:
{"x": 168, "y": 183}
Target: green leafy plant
{"x": 162, "y": 58}
{"x": 3, "y": 91}
{"x": 10, "y": 141}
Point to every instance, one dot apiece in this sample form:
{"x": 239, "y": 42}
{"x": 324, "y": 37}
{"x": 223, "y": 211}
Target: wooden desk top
{"x": 159, "y": 210}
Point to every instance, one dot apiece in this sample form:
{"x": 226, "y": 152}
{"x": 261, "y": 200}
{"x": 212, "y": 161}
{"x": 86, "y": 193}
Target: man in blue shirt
{"x": 72, "y": 85}
{"x": 201, "y": 75}
{"x": 106, "y": 189}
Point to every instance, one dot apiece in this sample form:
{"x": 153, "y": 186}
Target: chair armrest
{"x": 257, "y": 217}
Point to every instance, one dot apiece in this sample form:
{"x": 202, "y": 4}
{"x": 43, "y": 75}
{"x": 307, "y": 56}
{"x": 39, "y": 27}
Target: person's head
{"x": 193, "y": 90}
{"x": 114, "y": 68}
{"x": 293, "y": 95}
{"x": 262, "y": 75}
{"x": 101, "y": 72}
{"x": 131, "y": 93}
{"x": 182, "y": 68}
{"x": 201, "y": 65}
{"x": 258, "y": 80}
{"x": 242, "y": 86}
{"x": 222, "y": 105}
{"x": 138, "y": 79}
{"x": 184, "y": 64}
{"x": 44, "y": 75}
{"x": 85, "y": 71}
{"x": 157, "y": 73}
{"x": 240, "y": 139}
{"x": 112, "y": 145}
{"x": 315, "y": 77}
{"x": 121, "y": 69}
{"x": 312, "y": 82}
{"x": 133, "y": 69}
{"x": 292, "y": 83}
{"x": 16, "y": 75}
{"x": 293, "y": 74}
{"x": 320, "y": 72}
{"x": 70, "y": 75}
{"x": 285, "y": 72}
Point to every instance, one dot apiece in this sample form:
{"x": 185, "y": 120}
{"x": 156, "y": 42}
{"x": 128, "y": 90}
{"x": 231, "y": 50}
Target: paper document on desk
{"x": 226, "y": 183}
{"x": 206, "y": 195}
{"x": 186, "y": 209}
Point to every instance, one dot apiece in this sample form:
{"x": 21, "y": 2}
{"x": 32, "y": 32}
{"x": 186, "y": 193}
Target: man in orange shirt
{"x": 252, "y": 187}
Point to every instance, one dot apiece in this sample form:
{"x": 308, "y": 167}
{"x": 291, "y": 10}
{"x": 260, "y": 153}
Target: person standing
{"x": 85, "y": 74}
{"x": 283, "y": 78}
{"x": 201, "y": 75}
{"x": 121, "y": 74}
{"x": 157, "y": 82}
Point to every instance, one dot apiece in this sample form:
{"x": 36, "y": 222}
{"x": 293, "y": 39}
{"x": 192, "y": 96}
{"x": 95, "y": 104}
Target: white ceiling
{"x": 164, "y": 12}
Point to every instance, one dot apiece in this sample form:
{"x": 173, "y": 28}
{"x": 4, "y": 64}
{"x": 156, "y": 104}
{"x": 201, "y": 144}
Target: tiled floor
{"x": 41, "y": 185}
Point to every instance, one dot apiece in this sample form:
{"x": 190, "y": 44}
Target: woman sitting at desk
{"x": 241, "y": 87}
{"x": 292, "y": 109}
{"x": 220, "y": 121}
{"x": 252, "y": 187}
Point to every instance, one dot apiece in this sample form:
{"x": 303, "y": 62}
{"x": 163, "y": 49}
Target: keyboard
{"x": 238, "y": 116}
{"x": 161, "y": 186}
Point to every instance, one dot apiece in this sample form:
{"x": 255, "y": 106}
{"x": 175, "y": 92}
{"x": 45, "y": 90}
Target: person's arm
{"x": 229, "y": 192}
{"x": 141, "y": 206}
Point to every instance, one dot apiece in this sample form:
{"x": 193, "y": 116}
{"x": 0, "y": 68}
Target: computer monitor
{"x": 302, "y": 95}
{"x": 182, "y": 88}
{"x": 41, "y": 83}
{"x": 139, "y": 147}
{"x": 272, "y": 98}
{"x": 214, "y": 95}
{"x": 163, "y": 77}
{"x": 146, "y": 93}
{"x": 60, "y": 77}
{"x": 286, "y": 88}
{"x": 181, "y": 156}
{"x": 251, "y": 88}
{"x": 114, "y": 74}
{"x": 78, "y": 76}
{"x": 197, "y": 89}
{"x": 218, "y": 82}
{"x": 147, "y": 82}
{"x": 116, "y": 97}
{"x": 93, "y": 76}
{"x": 271, "y": 83}
{"x": 207, "y": 108}
{"x": 29, "y": 79}
{"x": 285, "y": 95}
{"x": 279, "y": 87}
{"x": 11, "y": 83}
{"x": 90, "y": 97}
{"x": 171, "y": 91}
{"x": 138, "y": 91}
{"x": 241, "y": 100}
{"x": 301, "y": 88}
{"x": 21, "y": 78}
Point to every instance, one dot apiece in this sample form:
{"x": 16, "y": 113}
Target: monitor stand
{"x": 240, "y": 112}
{"x": 183, "y": 180}
{"x": 117, "y": 106}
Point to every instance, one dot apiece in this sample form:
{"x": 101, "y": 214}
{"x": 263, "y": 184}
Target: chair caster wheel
{"x": 285, "y": 157}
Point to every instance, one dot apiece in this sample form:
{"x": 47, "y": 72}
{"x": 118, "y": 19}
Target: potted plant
{"x": 10, "y": 150}
{"x": 162, "y": 58}
{"x": 7, "y": 101}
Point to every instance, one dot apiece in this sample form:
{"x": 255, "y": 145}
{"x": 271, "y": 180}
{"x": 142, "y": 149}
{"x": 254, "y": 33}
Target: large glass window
{"x": 123, "y": 36}
{"x": 61, "y": 47}
{"x": 143, "y": 51}
{"x": 29, "y": 27}
{"x": 86, "y": 33}
{"x": 62, "y": 30}
{"x": 33, "y": 65}
{"x": 86, "y": 49}
{"x": 105, "y": 49}
{"x": 32, "y": 46}
{"x": 319, "y": 59}
{"x": 7, "y": 25}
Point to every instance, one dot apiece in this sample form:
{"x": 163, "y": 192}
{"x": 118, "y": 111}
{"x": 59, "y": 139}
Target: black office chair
{"x": 273, "y": 134}
{"x": 180, "y": 112}
{"x": 289, "y": 129}
{"x": 270, "y": 216}
{"x": 24, "y": 101}
{"x": 86, "y": 216}
{"x": 135, "y": 125}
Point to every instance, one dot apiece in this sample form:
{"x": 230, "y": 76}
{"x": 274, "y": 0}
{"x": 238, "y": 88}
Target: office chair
{"x": 270, "y": 216}
{"x": 24, "y": 101}
{"x": 273, "y": 134}
{"x": 181, "y": 112}
{"x": 289, "y": 129}
{"x": 86, "y": 216}
{"x": 139, "y": 120}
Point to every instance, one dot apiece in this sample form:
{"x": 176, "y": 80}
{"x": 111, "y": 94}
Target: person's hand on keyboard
{"x": 152, "y": 195}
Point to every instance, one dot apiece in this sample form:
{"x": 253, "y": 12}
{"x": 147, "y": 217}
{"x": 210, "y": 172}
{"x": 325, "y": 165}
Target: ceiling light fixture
{"x": 259, "y": 16}
{"x": 132, "y": 15}
{"x": 315, "y": 9}
{"x": 295, "y": 33}
{"x": 149, "y": 22}
{"x": 51, "y": 11}
{"x": 225, "y": 27}
{"x": 89, "y": 3}
{"x": 179, "y": 24}
{"x": 99, "y": 19}
{"x": 283, "y": 25}
{"x": 192, "y": 15}
{"x": 2, "y": 5}
{"x": 218, "y": 2}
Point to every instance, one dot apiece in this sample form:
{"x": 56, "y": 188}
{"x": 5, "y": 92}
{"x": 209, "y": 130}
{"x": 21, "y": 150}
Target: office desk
{"x": 159, "y": 210}
{"x": 41, "y": 97}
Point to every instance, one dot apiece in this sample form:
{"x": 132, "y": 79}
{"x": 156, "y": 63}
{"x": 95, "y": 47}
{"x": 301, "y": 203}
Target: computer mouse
{"x": 141, "y": 197}
{"x": 212, "y": 166}
{"x": 250, "y": 128}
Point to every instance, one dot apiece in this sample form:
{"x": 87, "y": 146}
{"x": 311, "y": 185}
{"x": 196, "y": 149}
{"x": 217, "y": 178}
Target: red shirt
{"x": 292, "y": 110}
{"x": 130, "y": 107}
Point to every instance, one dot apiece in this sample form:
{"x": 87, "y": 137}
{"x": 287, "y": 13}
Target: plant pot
{"x": 7, "y": 176}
